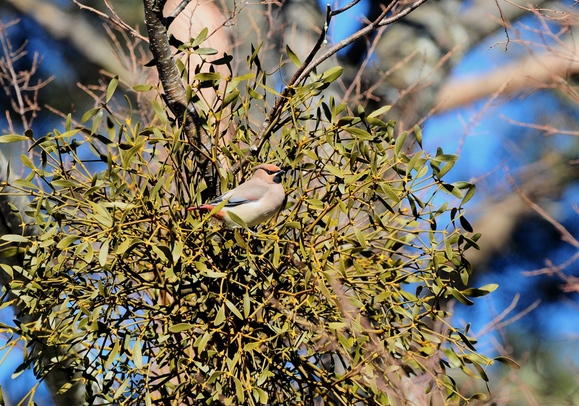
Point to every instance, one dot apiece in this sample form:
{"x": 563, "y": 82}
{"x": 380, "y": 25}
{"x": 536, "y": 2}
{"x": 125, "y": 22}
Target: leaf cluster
{"x": 341, "y": 297}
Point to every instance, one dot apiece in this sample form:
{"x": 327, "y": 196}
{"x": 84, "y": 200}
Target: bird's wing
{"x": 243, "y": 194}
{"x": 238, "y": 201}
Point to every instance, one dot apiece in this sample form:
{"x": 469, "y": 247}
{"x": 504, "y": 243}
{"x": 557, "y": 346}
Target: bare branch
{"x": 180, "y": 7}
{"x": 115, "y": 20}
{"x": 310, "y": 64}
{"x": 274, "y": 113}
{"x": 345, "y": 8}
{"x": 18, "y": 85}
{"x": 565, "y": 235}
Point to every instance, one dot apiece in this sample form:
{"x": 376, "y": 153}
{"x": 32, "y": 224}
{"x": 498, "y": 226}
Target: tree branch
{"x": 310, "y": 64}
{"x": 175, "y": 93}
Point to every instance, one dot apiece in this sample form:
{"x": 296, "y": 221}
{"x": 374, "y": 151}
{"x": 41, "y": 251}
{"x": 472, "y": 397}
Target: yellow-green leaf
{"x": 6, "y": 139}
{"x": 293, "y": 57}
{"x": 111, "y": 88}
{"x": 179, "y": 327}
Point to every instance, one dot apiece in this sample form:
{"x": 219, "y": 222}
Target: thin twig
{"x": 269, "y": 122}
{"x": 178, "y": 10}
{"x": 115, "y": 19}
{"x": 346, "y": 7}
{"x": 565, "y": 235}
{"x": 310, "y": 64}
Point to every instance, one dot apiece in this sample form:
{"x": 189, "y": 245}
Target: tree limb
{"x": 175, "y": 93}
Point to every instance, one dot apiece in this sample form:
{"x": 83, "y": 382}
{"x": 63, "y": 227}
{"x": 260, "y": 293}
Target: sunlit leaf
{"x": 179, "y": 327}
{"x": 9, "y": 138}
{"x": 507, "y": 361}
{"x": 200, "y": 37}
{"x": 112, "y": 86}
{"x": 293, "y": 57}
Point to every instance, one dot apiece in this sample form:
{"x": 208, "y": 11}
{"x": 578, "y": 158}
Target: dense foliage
{"x": 341, "y": 297}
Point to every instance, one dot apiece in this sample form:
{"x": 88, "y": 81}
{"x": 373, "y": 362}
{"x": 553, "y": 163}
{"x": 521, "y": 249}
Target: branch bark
{"x": 175, "y": 93}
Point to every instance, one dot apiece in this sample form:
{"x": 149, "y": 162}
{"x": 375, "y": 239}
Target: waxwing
{"x": 254, "y": 201}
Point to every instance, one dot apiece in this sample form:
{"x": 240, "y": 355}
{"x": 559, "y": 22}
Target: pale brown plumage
{"x": 254, "y": 201}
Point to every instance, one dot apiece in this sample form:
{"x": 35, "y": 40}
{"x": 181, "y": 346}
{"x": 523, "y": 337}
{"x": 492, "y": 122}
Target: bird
{"x": 254, "y": 202}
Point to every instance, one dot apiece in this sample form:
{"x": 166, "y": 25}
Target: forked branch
{"x": 310, "y": 64}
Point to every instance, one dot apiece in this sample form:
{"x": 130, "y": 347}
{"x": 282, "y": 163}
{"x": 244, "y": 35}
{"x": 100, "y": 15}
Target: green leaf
{"x": 177, "y": 251}
{"x": 63, "y": 184}
{"x": 104, "y": 252}
{"x": 482, "y": 291}
{"x": 418, "y": 134}
{"x": 111, "y": 88}
{"x": 9, "y": 271}
{"x": 236, "y": 219}
{"x": 469, "y": 194}
{"x": 112, "y": 355}
{"x": 332, "y": 74}
{"x": 246, "y": 305}
{"x": 21, "y": 368}
{"x": 360, "y": 238}
{"x": 507, "y": 361}
{"x": 254, "y": 57}
{"x": 179, "y": 327}
{"x": 446, "y": 158}
{"x": 478, "y": 396}
{"x": 220, "y": 317}
{"x": 27, "y": 162}
{"x": 121, "y": 389}
{"x": 400, "y": 142}
{"x": 207, "y": 76}
{"x": 201, "y": 343}
{"x": 380, "y": 112}
{"x": 481, "y": 371}
{"x": 466, "y": 341}
{"x": 262, "y": 395}
{"x": 102, "y": 215}
{"x": 137, "y": 354}
{"x": 66, "y": 241}
{"x": 230, "y": 98}
{"x": 14, "y": 238}
{"x": 25, "y": 184}
{"x": 337, "y": 172}
{"x": 359, "y": 134}
{"x": 142, "y": 88}
{"x": 89, "y": 114}
{"x": 200, "y": 37}
{"x": 460, "y": 297}
{"x": 254, "y": 94}
{"x": 452, "y": 358}
{"x": 238, "y": 79}
{"x": 233, "y": 309}
{"x": 205, "y": 51}
{"x": 239, "y": 390}
{"x": 465, "y": 224}
{"x": 6, "y": 139}
{"x": 293, "y": 57}
{"x": 224, "y": 60}
{"x": 448, "y": 248}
